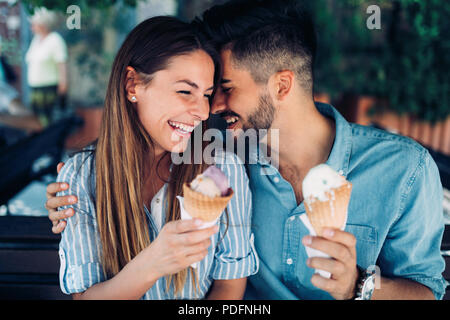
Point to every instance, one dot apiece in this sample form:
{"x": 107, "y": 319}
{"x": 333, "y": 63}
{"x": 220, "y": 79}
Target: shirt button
{"x": 292, "y": 218}
{"x": 289, "y": 261}
{"x": 341, "y": 172}
{"x": 157, "y": 200}
{"x": 276, "y": 179}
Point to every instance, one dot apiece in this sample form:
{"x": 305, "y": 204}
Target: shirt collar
{"x": 340, "y": 153}
{"x": 339, "y": 157}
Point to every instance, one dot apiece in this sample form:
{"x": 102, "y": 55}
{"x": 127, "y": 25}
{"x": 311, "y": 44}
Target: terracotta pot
{"x": 363, "y": 106}
{"x": 425, "y": 133}
{"x": 89, "y": 131}
{"x": 357, "y": 109}
{"x": 414, "y": 129}
{"x": 405, "y": 124}
{"x": 436, "y": 136}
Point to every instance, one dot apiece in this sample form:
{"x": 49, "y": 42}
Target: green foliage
{"x": 407, "y": 61}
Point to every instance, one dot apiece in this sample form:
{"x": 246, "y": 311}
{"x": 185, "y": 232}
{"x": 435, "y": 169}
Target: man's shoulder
{"x": 382, "y": 144}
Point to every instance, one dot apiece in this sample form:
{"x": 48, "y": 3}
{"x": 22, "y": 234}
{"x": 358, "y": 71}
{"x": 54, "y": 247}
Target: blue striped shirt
{"x": 230, "y": 256}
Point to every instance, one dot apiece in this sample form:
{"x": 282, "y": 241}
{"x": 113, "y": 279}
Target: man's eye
{"x": 225, "y": 90}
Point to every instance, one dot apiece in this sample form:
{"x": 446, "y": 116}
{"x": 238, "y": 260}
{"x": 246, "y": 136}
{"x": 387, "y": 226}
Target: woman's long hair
{"x": 124, "y": 146}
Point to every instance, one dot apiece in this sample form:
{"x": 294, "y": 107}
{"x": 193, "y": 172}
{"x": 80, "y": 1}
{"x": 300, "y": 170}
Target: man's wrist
{"x": 365, "y": 284}
{"x": 354, "y": 291}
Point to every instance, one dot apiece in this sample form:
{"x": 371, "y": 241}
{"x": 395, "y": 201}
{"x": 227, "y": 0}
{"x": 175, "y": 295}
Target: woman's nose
{"x": 201, "y": 111}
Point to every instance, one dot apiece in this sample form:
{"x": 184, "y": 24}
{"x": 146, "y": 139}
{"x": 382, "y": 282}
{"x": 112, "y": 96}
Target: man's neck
{"x": 306, "y": 138}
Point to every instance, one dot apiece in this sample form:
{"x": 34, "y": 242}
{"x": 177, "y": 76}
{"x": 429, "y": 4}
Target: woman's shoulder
{"x": 230, "y": 164}
{"x": 223, "y": 157}
{"x": 78, "y": 166}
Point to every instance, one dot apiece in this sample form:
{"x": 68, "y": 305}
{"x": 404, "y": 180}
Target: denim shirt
{"x": 395, "y": 213}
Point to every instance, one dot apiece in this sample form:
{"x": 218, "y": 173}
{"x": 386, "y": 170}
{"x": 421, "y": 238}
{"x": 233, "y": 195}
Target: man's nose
{"x": 218, "y": 104}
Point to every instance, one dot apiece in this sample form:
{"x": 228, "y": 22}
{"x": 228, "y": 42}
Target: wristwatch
{"x": 365, "y": 284}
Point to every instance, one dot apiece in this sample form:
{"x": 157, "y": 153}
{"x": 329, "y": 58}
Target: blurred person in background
{"x": 47, "y": 66}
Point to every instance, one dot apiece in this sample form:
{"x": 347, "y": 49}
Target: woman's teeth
{"x": 182, "y": 127}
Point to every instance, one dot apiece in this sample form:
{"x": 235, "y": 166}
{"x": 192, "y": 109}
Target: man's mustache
{"x": 228, "y": 114}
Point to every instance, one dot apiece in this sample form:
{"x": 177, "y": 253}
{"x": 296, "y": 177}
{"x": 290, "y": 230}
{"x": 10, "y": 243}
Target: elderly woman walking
{"x": 47, "y": 70}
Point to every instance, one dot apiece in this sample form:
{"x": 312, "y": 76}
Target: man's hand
{"x": 341, "y": 247}
{"x": 54, "y": 202}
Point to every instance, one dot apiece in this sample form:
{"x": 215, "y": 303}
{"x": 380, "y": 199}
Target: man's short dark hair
{"x": 265, "y": 37}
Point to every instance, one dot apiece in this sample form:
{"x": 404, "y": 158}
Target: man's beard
{"x": 262, "y": 117}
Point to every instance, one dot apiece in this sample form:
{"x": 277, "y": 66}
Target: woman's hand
{"x": 179, "y": 244}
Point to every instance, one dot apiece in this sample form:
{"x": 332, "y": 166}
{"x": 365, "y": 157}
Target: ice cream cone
{"x": 331, "y": 213}
{"x": 203, "y": 207}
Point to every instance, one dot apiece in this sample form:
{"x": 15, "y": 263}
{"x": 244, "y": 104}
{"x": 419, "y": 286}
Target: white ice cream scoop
{"x": 320, "y": 179}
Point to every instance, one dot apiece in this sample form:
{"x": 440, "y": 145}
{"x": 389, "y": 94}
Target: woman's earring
{"x": 133, "y": 98}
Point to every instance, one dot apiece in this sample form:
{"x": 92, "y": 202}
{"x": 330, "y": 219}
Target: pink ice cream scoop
{"x": 212, "y": 183}
{"x": 218, "y": 177}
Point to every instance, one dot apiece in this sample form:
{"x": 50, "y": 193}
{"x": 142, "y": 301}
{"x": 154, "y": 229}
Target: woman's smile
{"x": 182, "y": 129}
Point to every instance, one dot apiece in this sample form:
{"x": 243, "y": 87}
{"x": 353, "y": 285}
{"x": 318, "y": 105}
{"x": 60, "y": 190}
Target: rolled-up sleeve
{"x": 412, "y": 248}
{"x": 80, "y": 246}
{"x": 235, "y": 255}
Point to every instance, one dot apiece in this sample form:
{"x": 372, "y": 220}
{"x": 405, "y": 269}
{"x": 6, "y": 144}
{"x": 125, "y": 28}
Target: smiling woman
{"x": 126, "y": 239}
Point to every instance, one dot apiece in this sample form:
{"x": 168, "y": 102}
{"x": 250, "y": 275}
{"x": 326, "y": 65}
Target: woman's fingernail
{"x": 198, "y": 222}
{"x": 307, "y": 240}
{"x": 64, "y": 185}
{"x": 68, "y": 213}
{"x": 72, "y": 199}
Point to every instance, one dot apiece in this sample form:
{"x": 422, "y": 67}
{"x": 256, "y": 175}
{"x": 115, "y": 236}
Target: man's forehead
{"x": 230, "y": 72}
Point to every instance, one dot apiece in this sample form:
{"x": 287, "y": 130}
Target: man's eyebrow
{"x": 192, "y": 84}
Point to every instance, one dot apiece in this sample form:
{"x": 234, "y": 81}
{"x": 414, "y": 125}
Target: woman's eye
{"x": 208, "y": 96}
{"x": 184, "y": 92}
{"x": 225, "y": 90}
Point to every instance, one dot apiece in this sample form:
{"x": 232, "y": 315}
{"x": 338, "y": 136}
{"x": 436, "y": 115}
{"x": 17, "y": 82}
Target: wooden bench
{"x": 29, "y": 263}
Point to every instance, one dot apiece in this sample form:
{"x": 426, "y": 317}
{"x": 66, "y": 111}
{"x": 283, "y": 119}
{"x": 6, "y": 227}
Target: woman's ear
{"x": 281, "y": 84}
{"x": 130, "y": 84}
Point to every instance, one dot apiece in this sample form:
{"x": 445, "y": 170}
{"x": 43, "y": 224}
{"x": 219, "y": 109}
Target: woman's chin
{"x": 178, "y": 148}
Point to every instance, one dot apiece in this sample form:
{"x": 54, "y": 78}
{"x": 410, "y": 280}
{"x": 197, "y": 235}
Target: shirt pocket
{"x": 366, "y": 243}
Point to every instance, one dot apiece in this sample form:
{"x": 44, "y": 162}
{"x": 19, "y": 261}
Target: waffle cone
{"x": 331, "y": 213}
{"x": 203, "y": 207}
